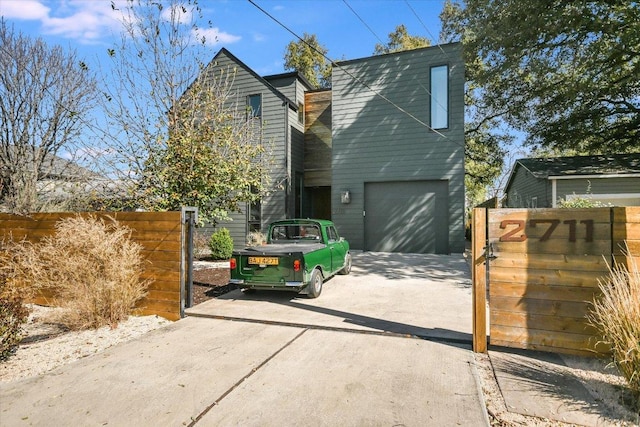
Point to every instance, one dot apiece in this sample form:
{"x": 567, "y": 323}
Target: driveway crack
{"x": 195, "y": 420}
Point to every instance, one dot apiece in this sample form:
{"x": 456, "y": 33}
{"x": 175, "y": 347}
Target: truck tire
{"x": 347, "y": 265}
{"x": 315, "y": 284}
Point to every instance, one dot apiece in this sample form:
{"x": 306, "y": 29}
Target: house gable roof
{"x": 611, "y": 164}
{"x": 293, "y": 105}
{"x": 291, "y": 74}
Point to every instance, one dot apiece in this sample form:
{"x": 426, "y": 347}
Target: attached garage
{"x": 407, "y": 216}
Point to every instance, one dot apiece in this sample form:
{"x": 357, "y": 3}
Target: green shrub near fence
{"x": 221, "y": 244}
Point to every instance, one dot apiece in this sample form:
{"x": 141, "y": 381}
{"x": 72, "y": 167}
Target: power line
{"x": 364, "y": 23}
{"x": 423, "y": 25}
{"x": 355, "y": 78}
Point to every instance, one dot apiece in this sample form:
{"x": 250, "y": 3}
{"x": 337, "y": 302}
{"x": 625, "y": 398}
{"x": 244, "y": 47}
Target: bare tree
{"x": 45, "y": 93}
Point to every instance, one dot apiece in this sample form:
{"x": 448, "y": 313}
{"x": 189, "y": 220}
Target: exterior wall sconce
{"x": 345, "y": 197}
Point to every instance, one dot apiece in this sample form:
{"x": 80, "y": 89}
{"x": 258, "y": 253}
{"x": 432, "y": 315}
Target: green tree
{"x": 212, "y": 157}
{"x": 177, "y": 134}
{"x": 567, "y": 74}
{"x": 308, "y": 57}
{"x": 400, "y": 40}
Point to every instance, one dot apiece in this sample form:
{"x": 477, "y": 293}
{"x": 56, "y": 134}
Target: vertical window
{"x": 440, "y": 97}
{"x": 300, "y": 113}
{"x": 254, "y": 106}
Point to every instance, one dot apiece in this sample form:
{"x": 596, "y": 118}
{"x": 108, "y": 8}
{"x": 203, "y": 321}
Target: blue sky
{"x": 89, "y": 27}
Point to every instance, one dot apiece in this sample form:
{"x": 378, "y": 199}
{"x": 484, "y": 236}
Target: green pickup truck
{"x": 300, "y": 254}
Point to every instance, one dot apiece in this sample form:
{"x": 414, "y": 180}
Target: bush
{"x": 581, "y": 202}
{"x": 616, "y": 315}
{"x": 90, "y": 266}
{"x": 13, "y": 295}
{"x": 221, "y": 244}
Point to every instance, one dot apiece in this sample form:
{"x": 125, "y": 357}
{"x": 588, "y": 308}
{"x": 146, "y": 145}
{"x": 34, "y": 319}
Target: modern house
{"x": 543, "y": 182}
{"x": 381, "y": 153}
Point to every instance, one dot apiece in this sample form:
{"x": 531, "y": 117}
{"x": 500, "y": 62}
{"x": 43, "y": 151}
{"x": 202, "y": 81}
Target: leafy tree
{"x": 400, "y": 40}
{"x": 45, "y": 94}
{"x": 567, "y": 74}
{"x": 177, "y": 134}
{"x": 212, "y": 156}
{"x": 308, "y": 57}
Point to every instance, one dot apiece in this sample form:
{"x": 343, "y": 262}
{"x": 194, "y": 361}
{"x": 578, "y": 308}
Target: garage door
{"x": 406, "y": 216}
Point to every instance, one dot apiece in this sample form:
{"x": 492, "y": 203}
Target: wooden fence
{"x": 543, "y": 273}
{"x": 161, "y": 235}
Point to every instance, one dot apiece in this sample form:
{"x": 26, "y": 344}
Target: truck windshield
{"x": 295, "y": 232}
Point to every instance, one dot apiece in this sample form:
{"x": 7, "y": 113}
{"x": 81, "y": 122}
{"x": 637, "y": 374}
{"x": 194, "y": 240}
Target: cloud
{"x": 90, "y": 22}
{"x": 25, "y": 9}
{"x": 86, "y": 21}
{"x": 214, "y": 36}
{"x": 183, "y": 15}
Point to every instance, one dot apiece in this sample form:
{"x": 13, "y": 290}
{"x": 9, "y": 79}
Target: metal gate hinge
{"x": 488, "y": 252}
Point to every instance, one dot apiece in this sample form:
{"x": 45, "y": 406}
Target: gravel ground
{"x": 49, "y": 345}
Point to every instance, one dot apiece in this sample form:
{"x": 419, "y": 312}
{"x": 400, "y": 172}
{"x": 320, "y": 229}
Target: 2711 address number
{"x": 517, "y": 233}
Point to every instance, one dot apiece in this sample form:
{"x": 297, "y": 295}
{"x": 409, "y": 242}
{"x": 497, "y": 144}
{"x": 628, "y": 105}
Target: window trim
{"x": 250, "y": 111}
{"x": 301, "y": 113}
{"x": 446, "y": 107}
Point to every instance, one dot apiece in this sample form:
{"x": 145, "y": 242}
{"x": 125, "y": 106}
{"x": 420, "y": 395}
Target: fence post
{"x": 479, "y": 280}
{"x": 189, "y": 220}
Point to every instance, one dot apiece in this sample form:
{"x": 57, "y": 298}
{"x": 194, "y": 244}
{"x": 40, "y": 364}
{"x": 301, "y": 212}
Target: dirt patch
{"x": 209, "y": 283}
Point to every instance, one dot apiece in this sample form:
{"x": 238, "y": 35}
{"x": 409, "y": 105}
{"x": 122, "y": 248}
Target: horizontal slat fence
{"x": 159, "y": 233}
{"x": 546, "y": 271}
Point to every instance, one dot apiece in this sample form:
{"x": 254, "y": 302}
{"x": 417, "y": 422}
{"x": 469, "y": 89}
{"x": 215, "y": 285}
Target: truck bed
{"x": 281, "y": 248}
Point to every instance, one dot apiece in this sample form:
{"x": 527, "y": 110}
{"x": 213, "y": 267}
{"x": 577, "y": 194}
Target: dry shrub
{"x": 91, "y": 267}
{"x": 14, "y": 294}
{"x": 616, "y": 314}
{"x": 200, "y": 245}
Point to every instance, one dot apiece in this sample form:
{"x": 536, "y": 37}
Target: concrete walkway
{"x": 387, "y": 345}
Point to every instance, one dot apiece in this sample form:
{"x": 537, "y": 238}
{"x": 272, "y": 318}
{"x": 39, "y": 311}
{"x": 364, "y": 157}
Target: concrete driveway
{"x": 428, "y": 296}
{"x": 387, "y": 345}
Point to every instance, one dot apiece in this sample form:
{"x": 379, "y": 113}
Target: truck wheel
{"x": 315, "y": 285}
{"x": 347, "y": 265}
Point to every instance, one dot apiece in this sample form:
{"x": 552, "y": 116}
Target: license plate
{"x": 262, "y": 260}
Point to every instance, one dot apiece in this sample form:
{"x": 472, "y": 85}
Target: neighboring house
{"x": 60, "y": 182}
{"x": 543, "y": 182}
{"x": 381, "y": 153}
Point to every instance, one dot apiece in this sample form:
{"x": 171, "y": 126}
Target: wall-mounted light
{"x": 345, "y": 197}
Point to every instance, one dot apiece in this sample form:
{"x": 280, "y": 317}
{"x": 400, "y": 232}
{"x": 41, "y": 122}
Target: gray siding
{"x": 378, "y": 140}
{"x": 598, "y": 186}
{"x": 527, "y": 191}
{"x": 274, "y": 111}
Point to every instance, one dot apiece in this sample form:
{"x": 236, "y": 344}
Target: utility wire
{"x": 355, "y": 78}
{"x": 364, "y": 23}
{"x": 424, "y": 26}
{"x": 387, "y": 50}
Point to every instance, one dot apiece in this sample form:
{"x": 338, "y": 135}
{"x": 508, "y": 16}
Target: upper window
{"x": 440, "y": 97}
{"x": 254, "y": 106}
{"x": 300, "y": 113}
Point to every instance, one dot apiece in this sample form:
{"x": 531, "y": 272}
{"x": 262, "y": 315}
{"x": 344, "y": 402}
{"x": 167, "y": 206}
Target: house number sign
{"x": 515, "y": 229}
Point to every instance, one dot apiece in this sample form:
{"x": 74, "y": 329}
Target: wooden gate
{"x": 544, "y": 266}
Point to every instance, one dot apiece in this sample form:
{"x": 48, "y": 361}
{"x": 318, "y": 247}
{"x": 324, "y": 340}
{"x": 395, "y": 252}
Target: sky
{"x": 349, "y": 29}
